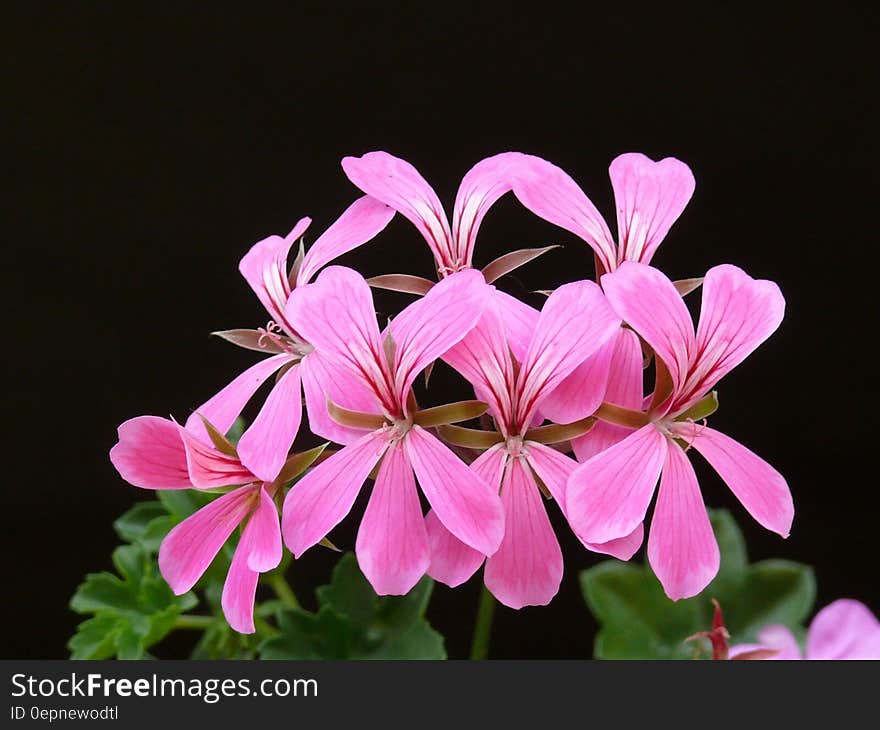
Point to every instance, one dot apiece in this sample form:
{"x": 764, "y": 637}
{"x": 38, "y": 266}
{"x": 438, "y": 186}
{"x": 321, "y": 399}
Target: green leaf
{"x": 95, "y": 638}
{"x": 132, "y": 526}
{"x": 638, "y": 621}
{"x": 352, "y": 622}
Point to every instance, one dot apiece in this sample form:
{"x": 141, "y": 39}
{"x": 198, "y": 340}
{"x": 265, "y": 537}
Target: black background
{"x": 148, "y": 146}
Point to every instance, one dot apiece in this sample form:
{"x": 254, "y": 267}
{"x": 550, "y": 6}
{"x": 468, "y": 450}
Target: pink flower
{"x": 336, "y": 315}
{"x": 265, "y": 445}
{"x": 398, "y": 184}
{"x": 156, "y": 453}
{"x": 527, "y": 569}
{"x": 845, "y": 629}
{"x": 649, "y": 198}
{"x": 608, "y": 495}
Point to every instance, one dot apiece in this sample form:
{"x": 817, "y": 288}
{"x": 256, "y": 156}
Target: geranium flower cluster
{"x": 559, "y": 393}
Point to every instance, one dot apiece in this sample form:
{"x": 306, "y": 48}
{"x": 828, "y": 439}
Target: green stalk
{"x": 283, "y": 590}
{"x": 483, "y": 625}
{"x": 189, "y": 621}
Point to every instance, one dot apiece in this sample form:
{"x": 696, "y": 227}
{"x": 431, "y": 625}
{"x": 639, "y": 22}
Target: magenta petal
{"x": 319, "y": 501}
{"x": 607, "y": 497}
{"x": 650, "y": 197}
{"x": 210, "y": 468}
{"x": 552, "y": 467}
{"x": 264, "y": 447}
{"x": 575, "y": 322}
{"x": 452, "y": 562}
{"x": 189, "y": 548}
{"x": 527, "y": 568}
{"x": 652, "y": 306}
{"x": 762, "y": 490}
{"x": 262, "y": 535}
{"x": 681, "y": 547}
{"x": 150, "y": 454}
{"x": 520, "y": 321}
{"x": 239, "y": 592}
{"x": 222, "y": 410}
{"x": 359, "y": 223}
{"x": 550, "y": 193}
{"x": 392, "y": 544}
{"x": 623, "y": 548}
{"x": 397, "y": 183}
{"x": 845, "y": 629}
{"x": 430, "y": 326}
{"x": 581, "y": 392}
{"x": 466, "y": 505}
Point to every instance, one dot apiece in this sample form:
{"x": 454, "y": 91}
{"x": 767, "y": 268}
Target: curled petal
{"x": 845, "y": 629}
{"x": 150, "y": 454}
{"x": 210, "y": 468}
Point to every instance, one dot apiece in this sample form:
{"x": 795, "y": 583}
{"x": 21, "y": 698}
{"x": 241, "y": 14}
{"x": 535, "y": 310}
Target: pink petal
{"x": 430, "y": 326}
{"x": 652, "y": 306}
{"x": 607, "y": 497}
{"x": 649, "y": 196}
{"x": 527, "y": 569}
{"x": 359, "y": 223}
{"x": 466, "y": 505}
{"x": 483, "y": 358}
{"x": 222, "y": 410}
{"x": 781, "y": 639}
{"x": 392, "y": 544}
{"x": 762, "y": 490}
{"x": 845, "y": 629}
{"x": 623, "y": 548}
{"x": 264, "y": 267}
{"x": 581, "y": 392}
{"x": 574, "y": 323}
{"x": 552, "y": 467}
{"x": 336, "y": 315}
{"x": 324, "y": 496}
{"x": 187, "y": 551}
{"x": 520, "y": 321}
{"x": 150, "y": 454}
{"x": 480, "y": 188}
{"x": 551, "y": 194}
{"x": 397, "y": 183}
{"x": 264, "y": 447}
{"x": 625, "y": 388}
{"x": 738, "y": 313}
{"x": 453, "y": 562}
{"x": 239, "y": 593}
{"x": 262, "y": 535}
{"x": 681, "y": 547}
{"x": 210, "y": 468}
{"x": 322, "y": 379}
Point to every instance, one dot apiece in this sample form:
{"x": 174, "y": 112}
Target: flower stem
{"x": 483, "y": 625}
{"x": 283, "y": 590}
{"x": 189, "y": 621}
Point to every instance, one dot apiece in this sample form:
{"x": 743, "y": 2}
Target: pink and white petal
{"x": 844, "y": 629}
{"x": 480, "y": 188}
{"x": 650, "y": 304}
{"x": 762, "y": 490}
{"x": 325, "y": 495}
{"x": 607, "y": 497}
{"x": 210, "y": 468}
{"x": 430, "y": 326}
{"x": 222, "y": 409}
{"x": 623, "y": 548}
{"x": 780, "y": 639}
{"x": 264, "y": 446}
{"x": 262, "y": 535}
{"x": 483, "y": 359}
{"x": 551, "y": 194}
{"x": 520, "y": 321}
{"x": 365, "y": 218}
{"x": 188, "y": 549}
{"x": 527, "y": 569}
{"x": 239, "y": 593}
{"x": 552, "y": 467}
{"x": 682, "y": 549}
{"x": 264, "y": 267}
{"x": 452, "y": 562}
{"x": 323, "y": 380}
{"x": 150, "y": 454}
{"x": 650, "y": 196}
{"x": 738, "y": 313}
{"x": 466, "y": 505}
{"x": 397, "y": 183}
{"x": 336, "y": 316}
{"x": 579, "y": 394}
{"x": 392, "y": 543}
{"x": 575, "y": 322}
